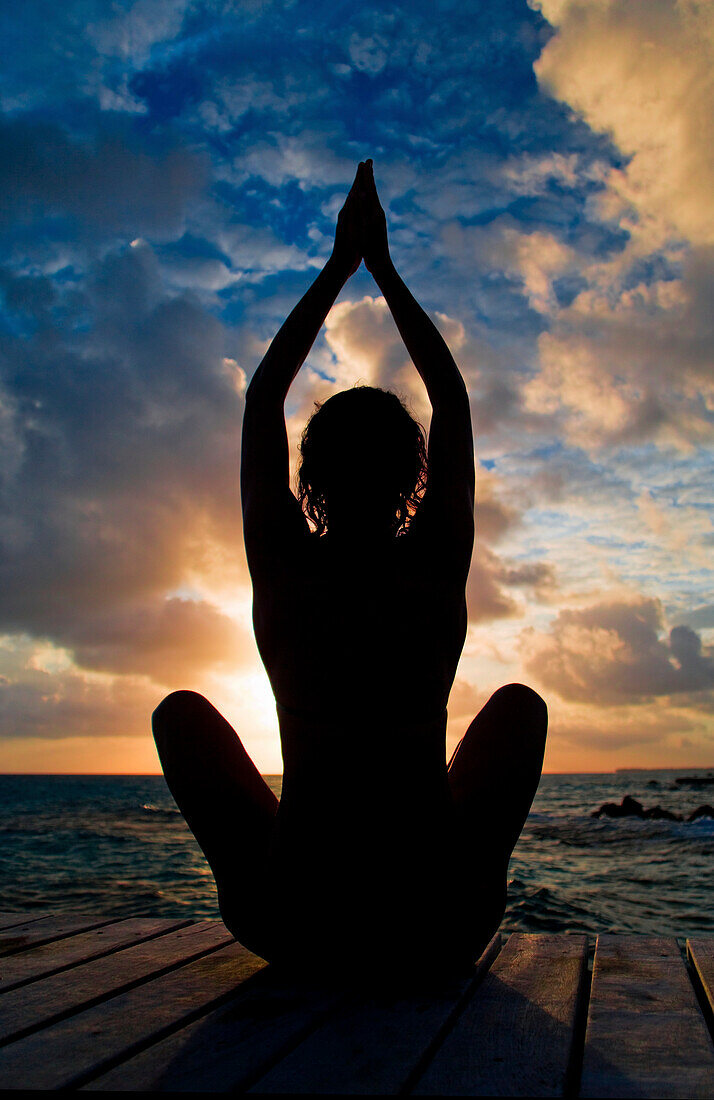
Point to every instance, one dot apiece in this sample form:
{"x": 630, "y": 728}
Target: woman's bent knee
{"x": 177, "y": 703}
{"x": 523, "y": 700}
{"x": 176, "y": 712}
{"x": 521, "y": 716}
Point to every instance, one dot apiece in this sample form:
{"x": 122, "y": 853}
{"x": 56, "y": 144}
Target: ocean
{"x": 117, "y": 846}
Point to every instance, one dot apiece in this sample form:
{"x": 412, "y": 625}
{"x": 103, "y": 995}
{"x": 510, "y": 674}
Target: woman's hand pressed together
{"x": 347, "y": 249}
{"x": 373, "y": 223}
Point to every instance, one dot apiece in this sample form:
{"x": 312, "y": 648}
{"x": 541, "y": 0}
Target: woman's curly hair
{"x": 362, "y": 438}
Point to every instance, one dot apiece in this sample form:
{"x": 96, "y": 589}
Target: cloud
{"x": 130, "y": 34}
{"x": 368, "y": 53}
{"x": 490, "y": 577}
{"x": 307, "y": 158}
{"x": 612, "y": 653}
{"x": 532, "y": 259}
{"x": 702, "y": 617}
{"x": 494, "y": 517}
{"x": 42, "y": 694}
{"x": 121, "y": 444}
{"x": 630, "y": 357}
{"x": 100, "y": 183}
{"x": 172, "y": 641}
{"x": 491, "y": 574}
{"x": 642, "y": 71}
{"x": 637, "y": 369}
{"x": 364, "y": 345}
{"x": 620, "y": 733}
{"x": 485, "y": 597}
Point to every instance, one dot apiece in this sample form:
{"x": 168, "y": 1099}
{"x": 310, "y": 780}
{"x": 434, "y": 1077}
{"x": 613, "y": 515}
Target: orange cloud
{"x": 641, "y": 70}
{"x": 635, "y": 369}
{"x": 56, "y": 704}
{"x": 631, "y": 358}
{"x": 171, "y": 641}
{"x": 612, "y": 653}
{"x": 655, "y": 734}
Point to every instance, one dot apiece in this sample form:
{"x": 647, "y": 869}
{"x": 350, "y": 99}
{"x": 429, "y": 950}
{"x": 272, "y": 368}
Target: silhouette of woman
{"x": 378, "y": 858}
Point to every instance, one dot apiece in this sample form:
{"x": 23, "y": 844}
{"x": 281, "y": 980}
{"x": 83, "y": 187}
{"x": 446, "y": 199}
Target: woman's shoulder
{"x": 442, "y": 535}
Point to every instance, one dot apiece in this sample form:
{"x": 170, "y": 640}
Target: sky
{"x": 171, "y": 173}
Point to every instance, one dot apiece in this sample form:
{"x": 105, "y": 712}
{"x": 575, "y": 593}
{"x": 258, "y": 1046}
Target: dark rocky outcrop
{"x": 695, "y": 780}
{"x": 701, "y": 811}
{"x": 630, "y": 807}
{"x": 656, "y": 813}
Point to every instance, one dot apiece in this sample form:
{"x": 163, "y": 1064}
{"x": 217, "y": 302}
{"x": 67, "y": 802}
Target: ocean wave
{"x": 162, "y": 811}
{"x": 588, "y": 833}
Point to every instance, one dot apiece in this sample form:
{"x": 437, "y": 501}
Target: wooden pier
{"x": 158, "y": 1005}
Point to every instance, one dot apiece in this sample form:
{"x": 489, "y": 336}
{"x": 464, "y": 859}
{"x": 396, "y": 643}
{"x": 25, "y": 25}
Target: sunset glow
{"x": 172, "y": 172}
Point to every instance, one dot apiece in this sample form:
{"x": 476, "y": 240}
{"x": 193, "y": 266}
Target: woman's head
{"x": 363, "y": 462}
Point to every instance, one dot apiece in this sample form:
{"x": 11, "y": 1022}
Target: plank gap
{"x": 487, "y": 960}
{"x": 10, "y": 920}
{"x": 573, "y": 1073}
{"x": 248, "y": 1082}
{"x": 700, "y": 990}
{"x": 8, "y": 949}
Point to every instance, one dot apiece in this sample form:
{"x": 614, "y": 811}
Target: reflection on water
{"x": 117, "y": 845}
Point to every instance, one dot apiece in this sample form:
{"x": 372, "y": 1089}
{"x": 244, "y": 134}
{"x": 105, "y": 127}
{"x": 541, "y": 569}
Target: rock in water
{"x": 629, "y": 807}
{"x": 701, "y": 811}
{"x": 656, "y": 813}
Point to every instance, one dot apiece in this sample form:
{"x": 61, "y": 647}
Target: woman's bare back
{"x": 360, "y": 631}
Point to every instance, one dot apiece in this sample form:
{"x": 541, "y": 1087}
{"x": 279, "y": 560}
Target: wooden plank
{"x": 515, "y": 1036}
{"x": 7, "y": 920}
{"x": 33, "y": 932}
{"x": 701, "y": 955}
{"x": 646, "y": 1036}
{"x": 48, "y": 958}
{"x": 228, "y": 1049}
{"x": 373, "y": 1045}
{"x": 69, "y": 1053}
{"x": 32, "y": 1006}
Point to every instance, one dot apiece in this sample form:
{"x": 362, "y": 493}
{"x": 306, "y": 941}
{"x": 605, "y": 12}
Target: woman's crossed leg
{"x": 493, "y": 775}
{"x": 227, "y": 805}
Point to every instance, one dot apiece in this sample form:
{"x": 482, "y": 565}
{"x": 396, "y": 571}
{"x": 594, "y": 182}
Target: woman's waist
{"x": 363, "y": 741}
{"x": 372, "y": 820}
{"x": 365, "y": 771}
{"x": 358, "y": 718}
{"x": 400, "y": 692}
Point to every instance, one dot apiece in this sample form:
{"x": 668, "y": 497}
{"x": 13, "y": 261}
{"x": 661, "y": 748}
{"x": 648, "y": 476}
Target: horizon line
{"x": 147, "y": 775}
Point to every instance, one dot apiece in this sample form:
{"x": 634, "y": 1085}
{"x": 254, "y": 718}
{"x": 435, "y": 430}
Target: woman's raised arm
{"x": 450, "y": 478}
{"x": 268, "y": 503}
